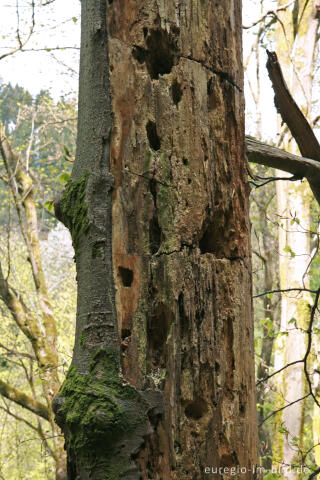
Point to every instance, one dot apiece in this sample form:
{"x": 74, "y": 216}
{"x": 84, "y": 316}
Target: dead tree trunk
{"x": 162, "y": 380}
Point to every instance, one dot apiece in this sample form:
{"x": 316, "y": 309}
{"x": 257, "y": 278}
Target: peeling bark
{"x": 167, "y": 291}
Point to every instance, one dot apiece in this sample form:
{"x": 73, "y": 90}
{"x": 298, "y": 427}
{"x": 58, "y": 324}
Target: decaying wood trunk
{"x": 162, "y": 380}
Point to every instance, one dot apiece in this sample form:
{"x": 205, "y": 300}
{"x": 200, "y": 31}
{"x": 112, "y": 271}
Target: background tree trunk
{"x": 295, "y": 50}
{"x": 162, "y": 380}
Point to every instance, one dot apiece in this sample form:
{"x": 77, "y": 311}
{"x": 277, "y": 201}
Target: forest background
{"x": 39, "y": 50}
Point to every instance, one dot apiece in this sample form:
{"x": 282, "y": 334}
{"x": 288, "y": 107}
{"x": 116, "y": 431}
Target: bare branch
{"x": 283, "y": 408}
{"x": 269, "y": 12}
{"x": 309, "y": 331}
{"x": 314, "y": 474}
{"x": 285, "y": 291}
{"x": 22, "y": 43}
{"x": 15, "y": 353}
{"x": 17, "y": 417}
{"x": 48, "y": 49}
{"x": 294, "y": 178}
{"x": 278, "y": 371}
{"x": 290, "y": 112}
{"x": 258, "y": 152}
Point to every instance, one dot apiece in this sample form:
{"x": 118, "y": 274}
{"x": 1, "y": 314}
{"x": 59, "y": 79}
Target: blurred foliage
{"x": 22, "y": 454}
{"x": 42, "y": 133}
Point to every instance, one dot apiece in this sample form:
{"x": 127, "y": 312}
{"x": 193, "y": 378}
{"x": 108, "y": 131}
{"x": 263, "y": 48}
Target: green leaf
{"x": 283, "y": 334}
{"x": 282, "y": 429}
{"x": 49, "y": 205}
{"x": 74, "y": 19}
{"x": 64, "y": 178}
{"x": 288, "y": 249}
{"x": 294, "y": 441}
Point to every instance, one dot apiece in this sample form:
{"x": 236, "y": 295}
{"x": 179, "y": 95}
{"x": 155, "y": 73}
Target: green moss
{"x": 74, "y": 208}
{"x": 90, "y": 413}
{"x": 97, "y": 408}
{"x": 82, "y": 339}
{"x": 116, "y": 470}
{"x": 97, "y": 250}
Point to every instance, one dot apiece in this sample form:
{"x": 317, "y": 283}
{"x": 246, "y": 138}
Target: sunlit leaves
{"x": 288, "y": 249}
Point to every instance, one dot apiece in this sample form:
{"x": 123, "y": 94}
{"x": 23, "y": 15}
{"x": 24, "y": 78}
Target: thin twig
{"x": 269, "y": 12}
{"x": 285, "y": 291}
{"x": 21, "y": 43}
{"x": 308, "y": 350}
{"x": 283, "y": 408}
{"x": 278, "y": 371}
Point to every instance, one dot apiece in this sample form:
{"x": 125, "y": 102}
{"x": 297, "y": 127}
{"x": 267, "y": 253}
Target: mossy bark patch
{"x": 74, "y": 209}
{"x": 97, "y": 410}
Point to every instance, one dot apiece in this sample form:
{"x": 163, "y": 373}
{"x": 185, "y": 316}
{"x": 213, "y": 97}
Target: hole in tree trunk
{"x": 207, "y": 243}
{"x": 125, "y": 332}
{"x": 176, "y": 92}
{"x": 155, "y": 233}
{"x": 160, "y": 53}
{"x": 211, "y": 95}
{"x": 125, "y": 338}
{"x": 152, "y": 134}
{"x": 184, "y": 320}
{"x": 126, "y": 276}
{"x": 158, "y": 325}
{"x": 196, "y": 409}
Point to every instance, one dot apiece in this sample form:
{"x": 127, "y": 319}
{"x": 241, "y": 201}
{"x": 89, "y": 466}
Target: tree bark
{"x": 162, "y": 378}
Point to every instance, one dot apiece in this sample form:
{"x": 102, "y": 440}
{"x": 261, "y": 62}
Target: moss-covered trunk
{"x": 162, "y": 380}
